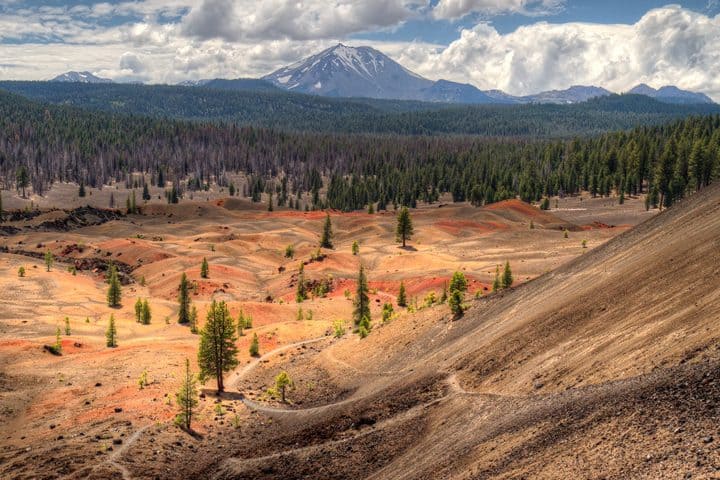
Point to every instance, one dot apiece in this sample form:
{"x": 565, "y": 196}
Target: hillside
{"x": 604, "y": 367}
{"x": 258, "y": 104}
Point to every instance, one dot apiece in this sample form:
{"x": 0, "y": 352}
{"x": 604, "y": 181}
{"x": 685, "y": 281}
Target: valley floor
{"x": 581, "y": 370}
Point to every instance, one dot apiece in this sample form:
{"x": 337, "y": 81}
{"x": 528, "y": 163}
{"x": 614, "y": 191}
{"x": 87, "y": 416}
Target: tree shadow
{"x": 408, "y": 248}
{"x": 224, "y": 395}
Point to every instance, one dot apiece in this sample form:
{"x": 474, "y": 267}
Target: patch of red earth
{"x": 455, "y": 227}
{"x": 70, "y": 346}
{"x": 517, "y": 206}
{"x": 19, "y": 344}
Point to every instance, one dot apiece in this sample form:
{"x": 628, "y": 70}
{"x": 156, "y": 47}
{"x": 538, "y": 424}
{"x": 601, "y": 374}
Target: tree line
{"x": 42, "y": 144}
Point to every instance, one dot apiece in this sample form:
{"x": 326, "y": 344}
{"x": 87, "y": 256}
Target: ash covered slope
{"x": 606, "y": 367}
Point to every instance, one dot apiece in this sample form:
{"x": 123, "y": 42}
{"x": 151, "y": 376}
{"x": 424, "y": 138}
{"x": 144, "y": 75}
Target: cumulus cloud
{"x": 453, "y": 9}
{"x": 237, "y": 20}
{"x": 670, "y": 45}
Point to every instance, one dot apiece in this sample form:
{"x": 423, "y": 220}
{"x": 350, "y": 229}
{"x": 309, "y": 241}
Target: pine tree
{"x": 301, "y": 294}
{"x": 2, "y": 213}
{"x": 459, "y": 282}
{"x": 496, "y": 283}
{"x": 81, "y": 190}
{"x": 254, "y": 346}
{"x": 241, "y": 324}
{"x": 49, "y": 260}
{"x": 22, "y": 179}
{"x": 138, "y": 310}
{"x": 187, "y": 398}
{"x": 146, "y": 192}
{"x": 146, "y": 313}
{"x": 507, "y": 278}
{"x": 112, "y": 200}
{"x": 193, "y": 320}
{"x": 404, "y": 226}
{"x": 327, "y": 234}
{"x": 21, "y": 272}
{"x": 455, "y": 302}
{"x": 444, "y": 296}
{"x": 363, "y": 329}
{"x": 355, "y": 248}
{"x": 67, "y": 326}
{"x": 184, "y": 300}
{"x": 270, "y": 203}
{"x": 282, "y": 382}
{"x": 111, "y": 333}
{"x": 217, "y": 353}
{"x": 204, "y": 269}
{"x": 57, "y": 348}
{"x": 362, "y": 301}
{"x": 402, "y": 296}
{"x": 114, "y": 294}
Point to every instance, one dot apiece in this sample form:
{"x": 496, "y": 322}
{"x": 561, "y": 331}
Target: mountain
{"x": 193, "y": 83}
{"x": 343, "y": 71}
{"x": 452, "y": 92}
{"x": 80, "y": 77}
{"x": 671, "y": 94}
{"x": 244, "y": 84}
{"x": 574, "y": 94}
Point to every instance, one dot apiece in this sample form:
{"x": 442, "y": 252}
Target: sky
{"x": 519, "y": 46}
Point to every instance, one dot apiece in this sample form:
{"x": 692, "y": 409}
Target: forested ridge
{"x": 258, "y": 106}
{"x": 41, "y": 144}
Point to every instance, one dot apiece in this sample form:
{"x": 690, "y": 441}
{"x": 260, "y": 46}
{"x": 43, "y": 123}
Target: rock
{"x": 117, "y": 441}
{"x": 118, "y": 409}
{"x": 52, "y": 426}
{"x": 98, "y": 384}
{"x": 708, "y": 439}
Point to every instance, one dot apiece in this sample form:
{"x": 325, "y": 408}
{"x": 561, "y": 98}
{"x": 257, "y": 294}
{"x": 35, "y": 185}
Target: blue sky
{"x": 521, "y": 46}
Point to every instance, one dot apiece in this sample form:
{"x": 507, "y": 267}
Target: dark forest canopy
{"x": 263, "y": 107}
{"x": 50, "y": 143}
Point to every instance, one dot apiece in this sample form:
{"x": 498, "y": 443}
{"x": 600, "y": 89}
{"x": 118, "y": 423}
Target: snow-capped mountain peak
{"x": 343, "y": 71}
{"x": 80, "y": 77}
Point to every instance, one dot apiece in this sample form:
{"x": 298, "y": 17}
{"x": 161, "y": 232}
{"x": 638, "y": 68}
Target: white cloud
{"x": 453, "y": 9}
{"x": 236, "y": 20}
{"x": 670, "y": 45}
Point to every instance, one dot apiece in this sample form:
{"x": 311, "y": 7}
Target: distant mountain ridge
{"x": 671, "y": 94}
{"x": 80, "y": 77}
{"x": 364, "y": 72}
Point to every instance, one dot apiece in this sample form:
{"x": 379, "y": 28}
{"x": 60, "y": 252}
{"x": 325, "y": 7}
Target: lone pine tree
{"x": 217, "y": 353}
{"x": 327, "y": 233}
{"x": 301, "y": 293}
{"x": 402, "y": 296}
{"x": 254, "y": 346}
{"x": 138, "y": 310}
{"x": 111, "y": 333}
{"x": 146, "y": 313}
{"x": 204, "y": 269}
{"x": 404, "y": 229}
{"x": 114, "y": 294}
{"x": 507, "y": 278}
{"x": 282, "y": 382}
{"x": 184, "y": 300}
{"x": 362, "y": 301}
{"x": 49, "y": 260}
{"x": 496, "y": 283}
{"x": 187, "y": 398}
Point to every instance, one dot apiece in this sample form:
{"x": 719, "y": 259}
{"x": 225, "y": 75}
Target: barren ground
{"x": 528, "y": 372}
